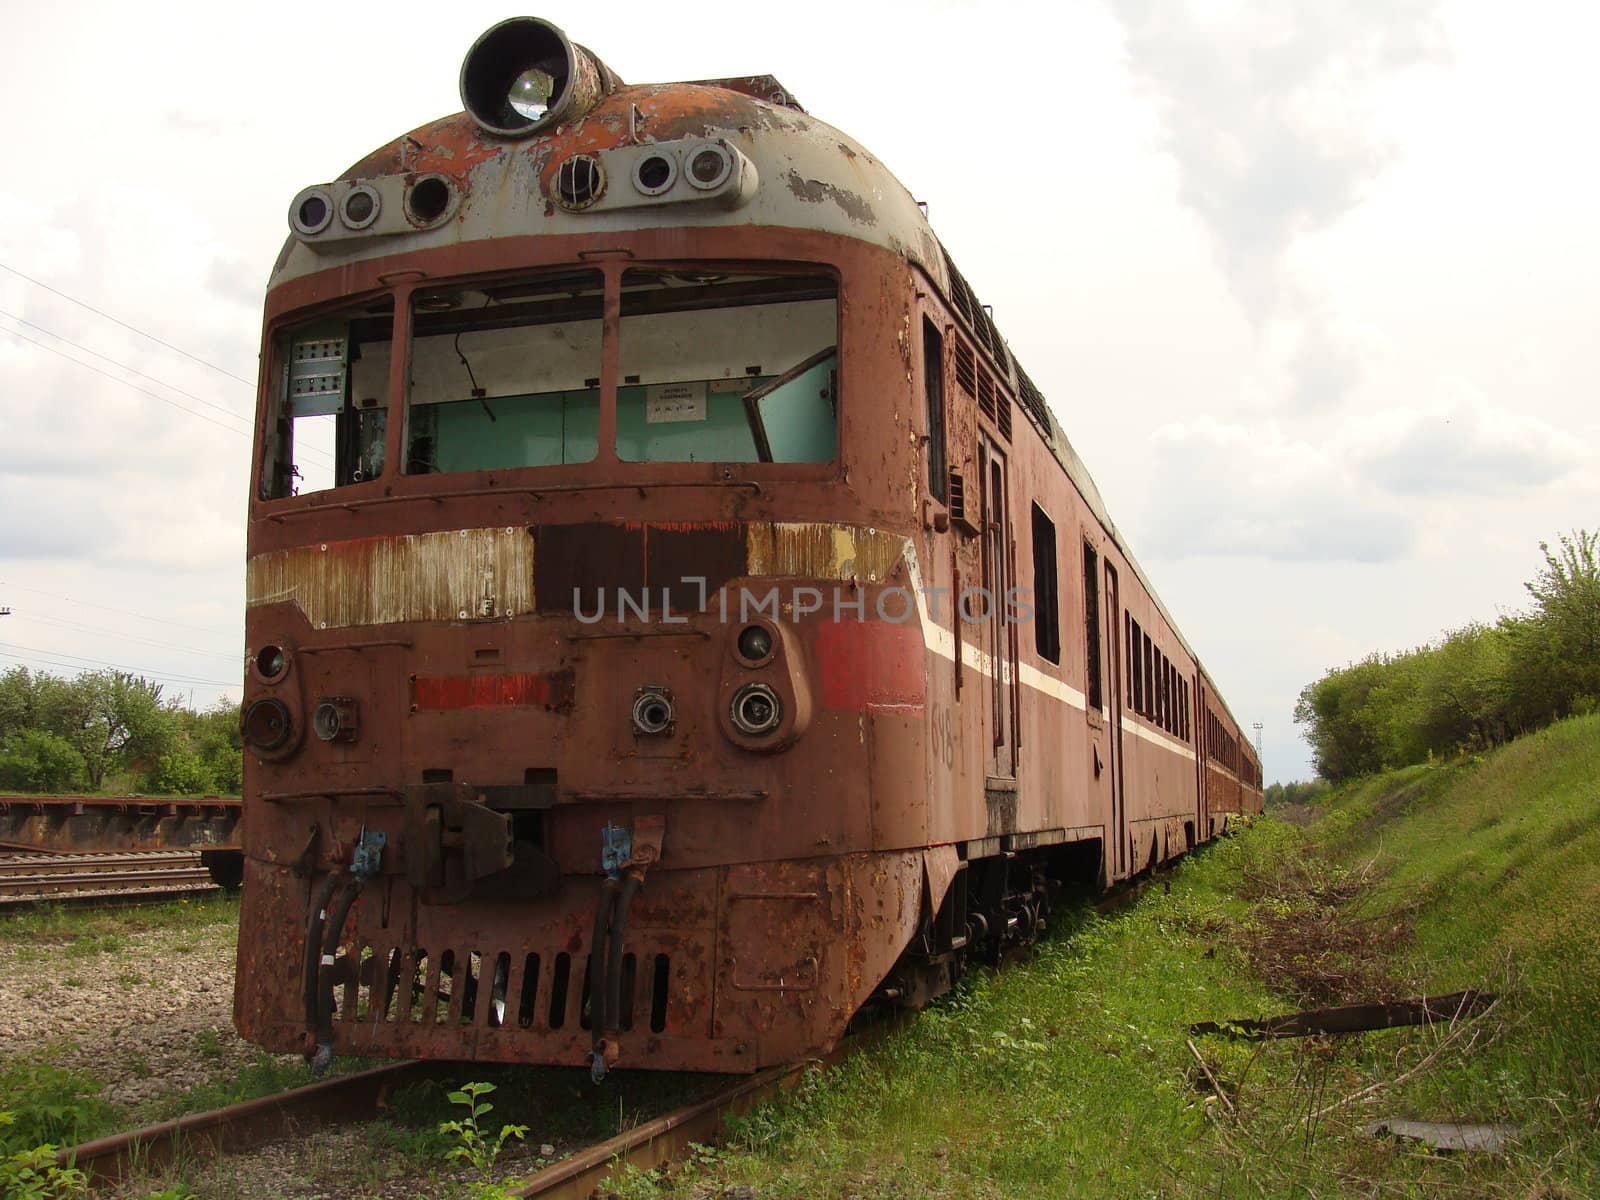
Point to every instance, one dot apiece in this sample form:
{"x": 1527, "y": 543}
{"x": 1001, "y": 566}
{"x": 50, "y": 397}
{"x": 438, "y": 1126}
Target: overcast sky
{"x": 1312, "y": 287}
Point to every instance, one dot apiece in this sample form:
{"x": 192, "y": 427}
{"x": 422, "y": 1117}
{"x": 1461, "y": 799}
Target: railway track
{"x": 27, "y": 878}
{"x": 365, "y": 1095}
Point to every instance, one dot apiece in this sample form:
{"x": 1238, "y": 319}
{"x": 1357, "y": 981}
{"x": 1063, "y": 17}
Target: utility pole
{"x": 1257, "y": 727}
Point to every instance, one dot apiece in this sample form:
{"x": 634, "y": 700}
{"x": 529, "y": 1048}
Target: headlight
{"x": 523, "y": 76}
{"x": 335, "y": 719}
{"x": 266, "y": 725}
{"x": 756, "y": 710}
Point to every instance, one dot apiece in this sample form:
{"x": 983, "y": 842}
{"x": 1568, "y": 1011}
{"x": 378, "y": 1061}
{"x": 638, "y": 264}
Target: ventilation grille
{"x": 579, "y": 181}
{"x": 1003, "y": 414}
{"x": 1032, "y": 402}
{"x": 985, "y": 394}
{"x": 958, "y": 496}
{"x": 534, "y": 992}
{"x": 966, "y": 368}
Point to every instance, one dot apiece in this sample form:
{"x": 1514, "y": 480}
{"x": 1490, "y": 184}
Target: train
{"x": 675, "y": 620}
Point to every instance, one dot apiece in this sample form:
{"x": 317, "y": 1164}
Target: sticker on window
{"x": 665, "y": 402}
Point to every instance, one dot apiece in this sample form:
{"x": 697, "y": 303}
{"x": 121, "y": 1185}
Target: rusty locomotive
{"x": 675, "y": 618}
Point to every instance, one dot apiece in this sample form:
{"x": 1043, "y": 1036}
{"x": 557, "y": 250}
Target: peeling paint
{"x": 816, "y": 191}
{"x": 822, "y": 551}
{"x": 454, "y": 575}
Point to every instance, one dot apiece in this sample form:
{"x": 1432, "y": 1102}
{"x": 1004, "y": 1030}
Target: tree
{"x": 1566, "y": 594}
{"x": 113, "y": 719}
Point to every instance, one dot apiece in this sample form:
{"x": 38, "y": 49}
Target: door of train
{"x": 988, "y": 614}
{"x": 1116, "y": 836}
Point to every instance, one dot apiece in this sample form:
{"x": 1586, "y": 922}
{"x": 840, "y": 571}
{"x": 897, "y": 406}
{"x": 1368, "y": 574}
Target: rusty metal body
{"x": 108, "y": 824}
{"x": 927, "y": 777}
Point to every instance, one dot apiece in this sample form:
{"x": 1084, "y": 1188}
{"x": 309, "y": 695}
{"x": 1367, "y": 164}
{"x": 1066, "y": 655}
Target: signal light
{"x": 523, "y": 76}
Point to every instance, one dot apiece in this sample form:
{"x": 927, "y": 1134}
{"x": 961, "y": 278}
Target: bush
{"x": 35, "y": 761}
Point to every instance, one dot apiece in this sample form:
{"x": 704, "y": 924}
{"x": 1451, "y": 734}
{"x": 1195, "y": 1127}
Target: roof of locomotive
{"x": 811, "y": 176}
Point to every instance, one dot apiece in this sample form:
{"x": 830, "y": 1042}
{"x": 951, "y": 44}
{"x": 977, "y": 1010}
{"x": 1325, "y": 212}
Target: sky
{"x": 1312, "y": 288}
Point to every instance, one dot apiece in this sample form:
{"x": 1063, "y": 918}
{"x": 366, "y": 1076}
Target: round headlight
{"x": 334, "y": 719}
{"x": 755, "y": 643}
{"x": 756, "y": 710}
{"x": 266, "y": 725}
{"x": 271, "y": 663}
{"x": 654, "y": 174}
{"x": 311, "y": 211}
{"x": 360, "y": 207}
{"x": 709, "y": 167}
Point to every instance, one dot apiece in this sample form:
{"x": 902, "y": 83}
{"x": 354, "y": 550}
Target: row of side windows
{"x": 1157, "y": 690}
{"x": 1224, "y": 746}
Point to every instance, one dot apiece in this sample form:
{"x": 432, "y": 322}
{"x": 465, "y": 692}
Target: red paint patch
{"x": 871, "y": 664}
{"x": 525, "y": 690}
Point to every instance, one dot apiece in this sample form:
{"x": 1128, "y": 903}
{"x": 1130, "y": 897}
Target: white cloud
{"x": 1266, "y": 495}
{"x": 1462, "y": 446}
{"x": 1266, "y": 109}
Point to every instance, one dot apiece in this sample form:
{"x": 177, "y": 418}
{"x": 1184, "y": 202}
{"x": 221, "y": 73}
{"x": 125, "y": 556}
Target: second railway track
{"x": 27, "y": 878}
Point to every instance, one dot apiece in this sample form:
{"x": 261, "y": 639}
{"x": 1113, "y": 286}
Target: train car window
{"x": 505, "y": 374}
{"x": 326, "y": 424}
{"x": 1149, "y": 679}
{"x": 1046, "y": 599}
{"x": 721, "y": 367}
{"x": 1091, "y": 619}
{"x": 1136, "y": 664}
{"x": 933, "y": 388}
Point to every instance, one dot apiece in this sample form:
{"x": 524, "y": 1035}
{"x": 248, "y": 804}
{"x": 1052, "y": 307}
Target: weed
{"x": 473, "y": 1143}
{"x": 128, "y": 980}
{"x": 34, "y": 1175}
{"x": 48, "y": 1105}
{"x": 93, "y": 944}
{"x": 209, "y": 1044}
{"x": 72, "y": 981}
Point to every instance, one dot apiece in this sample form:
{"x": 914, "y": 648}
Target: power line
{"x": 231, "y": 656}
{"x": 125, "y": 383}
{"x": 125, "y": 612}
{"x": 117, "y": 321}
{"x": 228, "y": 412}
{"x": 100, "y": 662}
{"x": 39, "y": 664}
{"x": 122, "y": 365}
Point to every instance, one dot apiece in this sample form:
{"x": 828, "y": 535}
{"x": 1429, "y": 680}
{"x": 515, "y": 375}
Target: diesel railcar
{"x": 675, "y": 619}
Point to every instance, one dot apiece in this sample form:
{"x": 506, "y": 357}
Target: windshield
{"x": 728, "y": 368}
{"x": 713, "y": 366}
{"x": 506, "y": 374}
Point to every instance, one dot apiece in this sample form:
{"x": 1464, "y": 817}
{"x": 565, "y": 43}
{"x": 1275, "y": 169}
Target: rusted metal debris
{"x": 1451, "y": 1136}
{"x": 102, "y": 824}
{"x": 1355, "y": 1018}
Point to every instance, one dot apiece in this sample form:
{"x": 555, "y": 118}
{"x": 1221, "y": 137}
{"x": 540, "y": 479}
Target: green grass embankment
{"x": 1072, "y": 1075}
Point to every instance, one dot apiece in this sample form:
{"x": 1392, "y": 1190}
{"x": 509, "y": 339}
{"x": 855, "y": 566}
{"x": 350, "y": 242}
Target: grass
{"x": 85, "y": 932}
{"x": 1073, "y": 1075}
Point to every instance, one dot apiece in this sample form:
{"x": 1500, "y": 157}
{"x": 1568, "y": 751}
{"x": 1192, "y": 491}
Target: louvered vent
{"x": 985, "y": 393}
{"x": 1032, "y": 401}
{"x": 1003, "y": 414}
{"x": 958, "y": 496}
{"x": 966, "y": 368}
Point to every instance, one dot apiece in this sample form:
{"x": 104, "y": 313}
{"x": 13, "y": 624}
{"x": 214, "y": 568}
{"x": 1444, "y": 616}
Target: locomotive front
{"x": 584, "y": 707}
